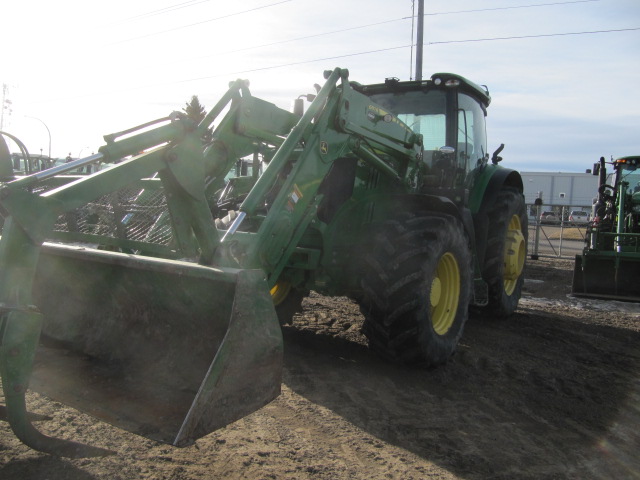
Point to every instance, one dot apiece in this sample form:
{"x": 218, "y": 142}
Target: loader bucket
{"x": 168, "y": 350}
{"x": 608, "y": 276}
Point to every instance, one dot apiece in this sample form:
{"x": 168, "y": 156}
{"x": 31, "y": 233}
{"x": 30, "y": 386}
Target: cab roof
{"x": 437, "y": 80}
{"x": 630, "y": 162}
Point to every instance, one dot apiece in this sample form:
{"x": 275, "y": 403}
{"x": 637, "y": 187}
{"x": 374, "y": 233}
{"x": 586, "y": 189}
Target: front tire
{"x": 287, "y": 301}
{"x": 416, "y": 284}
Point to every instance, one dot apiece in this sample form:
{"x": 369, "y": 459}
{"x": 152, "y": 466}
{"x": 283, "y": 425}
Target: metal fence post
{"x": 536, "y": 242}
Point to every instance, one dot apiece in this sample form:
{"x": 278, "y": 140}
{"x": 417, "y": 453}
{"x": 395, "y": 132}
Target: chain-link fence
{"x": 555, "y": 232}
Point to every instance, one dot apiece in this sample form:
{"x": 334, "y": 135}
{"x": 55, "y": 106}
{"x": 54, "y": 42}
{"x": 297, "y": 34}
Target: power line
{"x": 533, "y": 36}
{"x": 306, "y": 37}
{"x": 227, "y": 74}
{"x": 301, "y": 62}
{"x": 170, "y": 8}
{"x": 201, "y": 22}
{"x": 193, "y": 3}
{"x": 375, "y": 24}
{"x": 510, "y": 8}
{"x": 368, "y": 52}
{"x": 280, "y": 42}
{"x": 400, "y": 47}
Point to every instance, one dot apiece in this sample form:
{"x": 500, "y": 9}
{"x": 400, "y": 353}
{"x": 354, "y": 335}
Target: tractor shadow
{"x": 42, "y": 467}
{"x": 534, "y": 396}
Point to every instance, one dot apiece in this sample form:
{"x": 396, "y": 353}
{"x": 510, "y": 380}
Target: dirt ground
{"x": 551, "y": 393}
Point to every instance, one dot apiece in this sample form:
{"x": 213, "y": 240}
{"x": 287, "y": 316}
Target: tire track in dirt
{"x": 534, "y": 396}
{"x": 552, "y": 392}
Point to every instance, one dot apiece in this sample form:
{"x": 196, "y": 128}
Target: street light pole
{"x": 48, "y": 131}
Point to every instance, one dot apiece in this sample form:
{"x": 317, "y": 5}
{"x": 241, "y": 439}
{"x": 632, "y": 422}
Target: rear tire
{"x": 416, "y": 283}
{"x": 506, "y": 253}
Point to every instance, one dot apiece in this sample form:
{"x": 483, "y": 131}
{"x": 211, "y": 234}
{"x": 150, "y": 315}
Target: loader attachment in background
{"x": 167, "y": 350}
{"x": 607, "y": 276}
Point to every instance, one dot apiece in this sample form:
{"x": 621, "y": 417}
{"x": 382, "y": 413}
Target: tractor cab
{"x": 449, "y": 112}
{"x": 628, "y": 173}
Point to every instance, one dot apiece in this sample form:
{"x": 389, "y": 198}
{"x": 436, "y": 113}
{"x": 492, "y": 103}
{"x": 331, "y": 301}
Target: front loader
{"x": 150, "y": 293}
{"x": 609, "y": 265}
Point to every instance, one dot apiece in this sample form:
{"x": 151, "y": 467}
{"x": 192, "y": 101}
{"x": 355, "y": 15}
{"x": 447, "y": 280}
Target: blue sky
{"x": 560, "y": 99}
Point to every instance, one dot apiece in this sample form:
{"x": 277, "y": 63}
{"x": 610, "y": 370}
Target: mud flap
{"x": 165, "y": 349}
{"x": 607, "y": 277}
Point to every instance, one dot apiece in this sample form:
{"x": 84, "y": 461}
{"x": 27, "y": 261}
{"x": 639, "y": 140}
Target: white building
{"x": 560, "y": 189}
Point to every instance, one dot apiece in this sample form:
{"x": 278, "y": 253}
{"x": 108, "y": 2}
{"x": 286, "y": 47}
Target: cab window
{"x": 472, "y": 134}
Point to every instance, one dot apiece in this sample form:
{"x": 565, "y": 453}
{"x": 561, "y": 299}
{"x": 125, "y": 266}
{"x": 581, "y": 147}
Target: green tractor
{"x": 150, "y": 293}
{"x": 609, "y": 266}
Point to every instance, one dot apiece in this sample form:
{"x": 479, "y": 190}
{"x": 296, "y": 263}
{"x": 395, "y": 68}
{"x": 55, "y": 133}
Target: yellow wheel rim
{"x": 515, "y": 251}
{"x": 279, "y": 292}
{"x": 445, "y": 294}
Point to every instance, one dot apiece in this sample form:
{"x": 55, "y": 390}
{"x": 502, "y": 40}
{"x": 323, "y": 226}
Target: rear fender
{"x": 350, "y": 229}
{"x": 488, "y": 183}
{"x": 377, "y": 208}
{"x": 444, "y": 205}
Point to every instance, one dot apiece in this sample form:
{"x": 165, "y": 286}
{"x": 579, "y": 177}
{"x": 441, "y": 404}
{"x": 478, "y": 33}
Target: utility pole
{"x": 419, "y": 39}
{"x": 6, "y": 105}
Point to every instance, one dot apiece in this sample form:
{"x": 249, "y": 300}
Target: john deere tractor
{"x": 151, "y": 292}
{"x": 609, "y": 266}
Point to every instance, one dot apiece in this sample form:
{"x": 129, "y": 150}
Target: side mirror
{"x": 495, "y": 158}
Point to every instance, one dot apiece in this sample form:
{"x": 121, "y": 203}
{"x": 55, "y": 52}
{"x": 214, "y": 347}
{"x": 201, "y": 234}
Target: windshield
{"x": 423, "y": 111}
{"x": 632, "y": 177}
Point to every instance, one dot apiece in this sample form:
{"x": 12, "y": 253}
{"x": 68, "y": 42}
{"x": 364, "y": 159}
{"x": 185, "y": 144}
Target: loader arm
{"x": 29, "y": 218}
{"x": 340, "y": 123}
{"x": 243, "y": 333}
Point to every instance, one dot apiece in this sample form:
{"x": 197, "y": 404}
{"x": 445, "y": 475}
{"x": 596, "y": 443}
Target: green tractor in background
{"x": 609, "y": 266}
{"x": 177, "y": 264}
